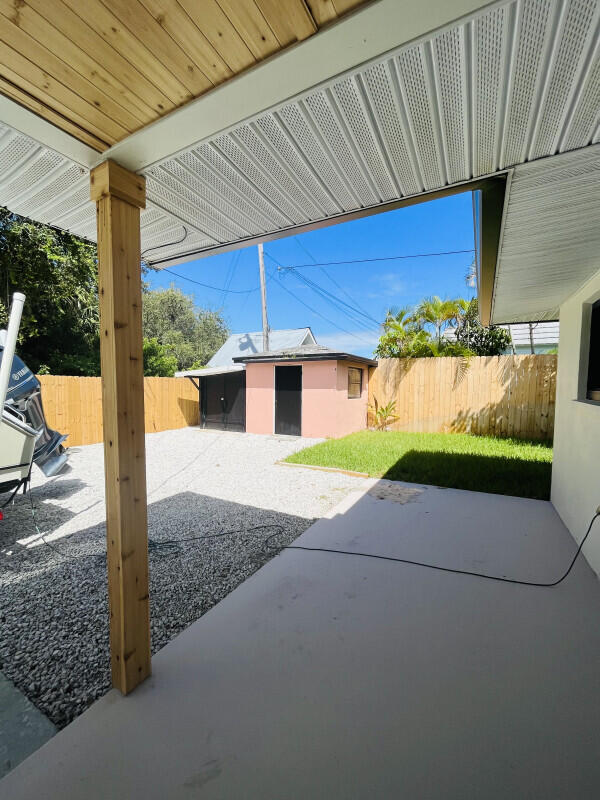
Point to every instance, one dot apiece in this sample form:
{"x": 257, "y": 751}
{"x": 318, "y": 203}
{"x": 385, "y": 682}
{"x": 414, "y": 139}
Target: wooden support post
{"x": 119, "y": 195}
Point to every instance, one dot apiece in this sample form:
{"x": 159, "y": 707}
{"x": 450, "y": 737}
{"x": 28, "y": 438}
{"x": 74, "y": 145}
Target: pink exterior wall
{"x": 351, "y": 414}
{"x": 260, "y": 398}
{"x": 319, "y": 398}
{"x": 326, "y": 409}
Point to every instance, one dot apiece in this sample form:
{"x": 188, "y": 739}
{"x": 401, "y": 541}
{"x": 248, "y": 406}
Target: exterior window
{"x": 593, "y": 372}
{"x": 354, "y": 382}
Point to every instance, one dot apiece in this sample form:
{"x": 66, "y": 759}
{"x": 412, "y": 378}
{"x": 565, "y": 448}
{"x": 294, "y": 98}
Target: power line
{"x": 370, "y": 260}
{"x": 208, "y": 286}
{"x": 233, "y": 264}
{"x": 356, "y": 305}
{"x": 318, "y": 313}
{"x": 333, "y": 300}
{"x": 338, "y": 304}
{"x": 314, "y": 311}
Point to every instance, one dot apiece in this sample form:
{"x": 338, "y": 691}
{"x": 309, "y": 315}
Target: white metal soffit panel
{"x": 515, "y": 82}
{"x": 551, "y": 237}
{"x": 38, "y": 183}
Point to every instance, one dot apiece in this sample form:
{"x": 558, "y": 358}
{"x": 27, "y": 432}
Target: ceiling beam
{"x": 424, "y": 197}
{"x": 363, "y": 35}
{"x": 30, "y": 124}
{"x": 490, "y": 218}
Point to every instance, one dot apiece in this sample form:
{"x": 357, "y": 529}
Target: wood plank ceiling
{"x": 102, "y": 69}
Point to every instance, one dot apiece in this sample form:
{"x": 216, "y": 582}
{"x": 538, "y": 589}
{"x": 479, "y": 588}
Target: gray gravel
{"x": 53, "y": 605}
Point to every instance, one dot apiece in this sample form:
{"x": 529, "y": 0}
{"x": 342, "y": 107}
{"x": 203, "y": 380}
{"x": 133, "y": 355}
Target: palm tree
{"x": 439, "y": 313}
{"x": 399, "y": 321}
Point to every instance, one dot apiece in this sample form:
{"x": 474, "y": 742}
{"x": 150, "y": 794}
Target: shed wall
{"x": 326, "y": 409}
{"x": 319, "y": 399}
{"x": 351, "y": 413}
{"x": 260, "y": 398}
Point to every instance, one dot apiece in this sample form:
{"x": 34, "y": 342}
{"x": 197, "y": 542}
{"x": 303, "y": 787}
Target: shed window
{"x": 593, "y": 374}
{"x": 354, "y": 382}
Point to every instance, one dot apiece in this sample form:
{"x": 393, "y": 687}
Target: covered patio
{"x": 166, "y": 130}
{"x": 329, "y": 675}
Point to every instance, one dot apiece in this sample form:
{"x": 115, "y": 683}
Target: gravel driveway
{"x": 53, "y": 605}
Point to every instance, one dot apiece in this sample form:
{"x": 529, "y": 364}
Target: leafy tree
{"x": 192, "y": 335}
{"x": 159, "y": 361}
{"x": 211, "y": 333}
{"x": 438, "y": 313}
{"x": 403, "y": 336}
{"x": 481, "y": 340}
{"x": 420, "y": 333}
{"x": 57, "y": 273}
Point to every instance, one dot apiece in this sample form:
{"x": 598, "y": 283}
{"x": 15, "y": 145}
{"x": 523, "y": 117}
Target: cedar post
{"x": 119, "y": 195}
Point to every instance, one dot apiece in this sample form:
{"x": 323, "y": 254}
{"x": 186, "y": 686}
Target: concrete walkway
{"x": 335, "y": 676}
{"x": 23, "y": 729}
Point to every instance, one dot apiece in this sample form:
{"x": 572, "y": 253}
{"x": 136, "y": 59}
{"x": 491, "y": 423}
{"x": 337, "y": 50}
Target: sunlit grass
{"x": 459, "y": 461}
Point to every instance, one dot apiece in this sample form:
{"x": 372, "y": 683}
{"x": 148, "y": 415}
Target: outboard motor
{"x": 24, "y": 402}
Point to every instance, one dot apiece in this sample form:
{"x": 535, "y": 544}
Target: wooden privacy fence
{"x": 493, "y": 395}
{"x": 74, "y": 405}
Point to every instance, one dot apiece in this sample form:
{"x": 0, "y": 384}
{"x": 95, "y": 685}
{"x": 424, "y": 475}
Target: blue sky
{"x": 372, "y": 288}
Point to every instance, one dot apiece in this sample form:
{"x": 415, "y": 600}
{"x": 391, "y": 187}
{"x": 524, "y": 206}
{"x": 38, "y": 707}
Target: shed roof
{"x": 314, "y": 352}
{"x": 242, "y": 344}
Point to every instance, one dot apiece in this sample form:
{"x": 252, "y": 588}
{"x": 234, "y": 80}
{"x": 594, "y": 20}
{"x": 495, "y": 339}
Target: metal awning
{"x": 205, "y": 373}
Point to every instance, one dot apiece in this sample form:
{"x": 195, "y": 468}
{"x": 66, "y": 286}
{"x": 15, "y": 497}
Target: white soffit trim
{"x": 551, "y": 238}
{"x": 26, "y": 122}
{"x": 518, "y": 80}
{"x": 39, "y": 183}
{"x": 361, "y": 36}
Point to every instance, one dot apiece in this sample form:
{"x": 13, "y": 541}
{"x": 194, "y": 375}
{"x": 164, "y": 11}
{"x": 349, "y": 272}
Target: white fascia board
{"x": 363, "y": 35}
{"x": 47, "y": 134}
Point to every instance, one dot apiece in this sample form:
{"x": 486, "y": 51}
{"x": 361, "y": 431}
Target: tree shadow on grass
{"x": 477, "y": 473}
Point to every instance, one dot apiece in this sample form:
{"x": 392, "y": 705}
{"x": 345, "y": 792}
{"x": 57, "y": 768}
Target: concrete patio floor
{"x": 335, "y": 676}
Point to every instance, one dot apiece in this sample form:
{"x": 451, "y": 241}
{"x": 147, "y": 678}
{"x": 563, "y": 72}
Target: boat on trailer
{"x": 25, "y": 437}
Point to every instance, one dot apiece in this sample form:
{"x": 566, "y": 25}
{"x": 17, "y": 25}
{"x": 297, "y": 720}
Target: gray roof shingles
{"x": 246, "y": 344}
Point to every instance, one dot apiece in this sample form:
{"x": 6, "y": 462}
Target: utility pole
{"x": 263, "y": 294}
{"x": 531, "y": 342}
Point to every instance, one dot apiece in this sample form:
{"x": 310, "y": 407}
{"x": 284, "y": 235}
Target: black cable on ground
{"x": 154, "y": 545}
{"x": 174, "y": 545}
{"x": 447, "y": 569}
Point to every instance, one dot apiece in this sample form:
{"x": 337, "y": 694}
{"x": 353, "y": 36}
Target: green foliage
{"x": 405, "y": 336}
{"x": 193, "y": 336}
{"x": 212, "y": 331}
{"x": 482, "y": 341}
{"x": 456, "y": 460}
{"x": 419, "y": 333}
{"x": 437, "y": 313}
{"x": 159, "y": 360}
{"x": 57, "y": 274}
{"x": 384, "y": 415}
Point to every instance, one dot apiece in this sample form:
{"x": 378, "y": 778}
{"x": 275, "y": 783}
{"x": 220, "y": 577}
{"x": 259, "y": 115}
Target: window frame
{"x": 591, "y": 325}
{"x": 354, "y": 383}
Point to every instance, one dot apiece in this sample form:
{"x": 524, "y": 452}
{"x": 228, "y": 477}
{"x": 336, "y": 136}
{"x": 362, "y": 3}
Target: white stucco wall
{"x": 576, "y": 468}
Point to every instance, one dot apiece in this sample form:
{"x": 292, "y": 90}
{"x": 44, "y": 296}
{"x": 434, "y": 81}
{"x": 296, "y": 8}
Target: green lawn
{"x": 456, "y": 460}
